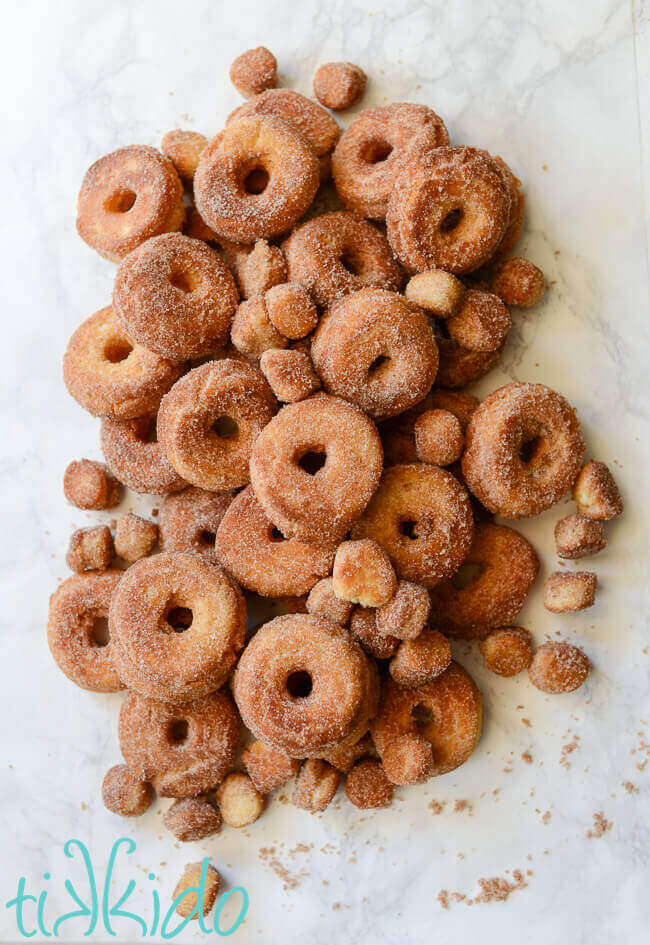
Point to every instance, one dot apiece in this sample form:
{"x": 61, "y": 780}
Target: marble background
{"x": 558, "y": 89}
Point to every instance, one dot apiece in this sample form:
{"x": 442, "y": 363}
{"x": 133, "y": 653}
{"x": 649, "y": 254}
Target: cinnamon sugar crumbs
{"x": 527, "y": 723}
{"x": 290, "y": 880}
{"x": 601, "y": 825}
{"x": 437, "y": 807}
{"x": 527, "y": 757}
{"x": 460, "y": 806}
{"x": 629, "y": 787}
{"x": 492, "y": 889}
{"x": 567, "y": 749}
{"x": 546, "y": 816}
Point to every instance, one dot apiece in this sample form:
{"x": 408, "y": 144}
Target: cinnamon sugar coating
{"x": 90, "y": 549}
{"x": 239, "y": 800}
{"x": 437, "y": 291}
{"x": 567, "y": 591}
{"x": 262, "y": 268}
{"x": 89, "y": 485}
{"x": 458, "y": 366}
{"x": 408, "y": 759}
{"x": 523, "y": 450}
{"x": 267, "y": 767}
{"x": 109, "y": 375}
{"x": 596, "y": 492}
{"x": 290, "y": 374}
{"x": 577, "y": 536}
{"x": 339, "y": 85}
{"x": 254, "y": 71}
{"x": 136, "y": 458}
{"x": 197, "y": 229}
{"x": 377, "y": 350}
{"x": 438, "y": 437}
{"x": 183, "y": 749}
{"x": 123, "y": 794}
{"x": 177, "y": 624}
{"x": 367, "y": 786}
{"x": 405, "y": 615}
{"x": 323, "y": 602}
{"x": 420, "y": 660}
{"x": 316, "y": 785}
{"x": 192, "y": 818}
{"x": 363, "y": 629}
{"x": 291, "y": 310}
{"x": 135, "y": 537}
{"x": 76, "y": 632}
{"x": 127, "y": 197}
{"x": 558, "y": 667}
{"x": 363, "y": 573}
{"x": 252, "y": 332}
{"x": 517, "y": 211}
{"x": 481, "y": 323}
{"x": 519, "y": 282}
{"x": 189, "y": 882}
{"x": 189, "y": 521}
{"x": 344, "y": 757}
{"x": 175, "y": 296}
{"x": 398, "y": 436}
{"x": 507, "y": 651}
{"x": 184, "y": 148}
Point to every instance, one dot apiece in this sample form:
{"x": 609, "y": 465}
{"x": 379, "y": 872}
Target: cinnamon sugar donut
{"x": 446, "y": 712}
{"x": 337, "y": 253}
{"x": 339, "y": 85}
{"x": 517, "y": 211}
{"x": 184, "y": 148}
{"x": 254, "y": 71}
{"x": 109, "y": 375}
{"x": 482, "y": 322}
{"x": 315, "y": 466}
{"x": 523, "y": 450}
{"x": 176, "y": 625}
{"x": 136, "y": 458}
{"x": 209, "y": 420}
{"x": 183, "y": 749}
{"x": 189, "y": 521}
{"x": 303, "y": 685}
{"x": 127, "y": 197}
{"x": 398, "y": 434}
{"x": 379, "y": 144}
{"x": 376, "y": 349}
{"x": 459, "y": 366}
{"x": 175, "y": 296}
{"x": 260, "y": 559}
{"x": 491, "y": 587}
{"x": 256, "y": 179}
{"x": 420, "y": 515}
{"x": 76, "y": 632}
{"x": 448, "y": 210}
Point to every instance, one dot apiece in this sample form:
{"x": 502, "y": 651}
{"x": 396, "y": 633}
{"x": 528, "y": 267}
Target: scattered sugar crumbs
{"x": 270, "y": 856}
{"x": 437, "y": 807}
{"x": 527, "y": 757}
{"x": 567, "y": 749}
{"x": 461, "y": 806}
{"x": 492, "y": 889}
{"x": 601, "y": 825}
{"x": 629, "y": 787}
{"x": 642, "y": 748}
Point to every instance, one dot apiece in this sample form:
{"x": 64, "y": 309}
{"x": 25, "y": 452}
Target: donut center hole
{"x": 151, "y": 433}
{"x": 182, "y": 281}
{"x": 275, "y": 534}
{"x": 208, "y": 538}
{"x": 225, "y": 427}
{"x": 409, "y": 529}
{"x": 467, "y": 574}
{"x": 178, "y": 731}
{"x": 99, "y": 634}
{"x": 299, "y": 684}
{"x": 120, "y": 202}
{"x": 451, "y": 221}
{"x": 529, "y": 448}
{"x": 117, "y": 349}
{"x": 256, "y": 181}
{"x": 421, "y": 715}
{"x": 312, "y": 461}
{"x": 377, "y": 365}
{"x": 350, "y": 263}
{"x": 377, "y": 151}
{"x": 179, "y": 618}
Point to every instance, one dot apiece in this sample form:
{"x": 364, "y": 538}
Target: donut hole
{"x": 312, "y": 461}
{"x": 117, "y": 349}
{"x": 451, "y": 221}
{"x": 350, "y": 262}
{"x": 274, "y": 534}
{"x": 121, "y": 201}
{"x": 225, "y": 427}
{"x": 178, "y": 731}
{"x": 377, "y": 151}
{"x": 409, "y": 529}
{"x": 299, "y": 684}
{"x": 256, "y": 180}
{"x": 99, "y": 634}
{"x": 467, "y": 574}
{"x": 179, "y": 618}
{"x": 207, "y": 538}
{"x": 422, "y": 715}
{"x": 183, "y": 282}
{"x": 529, "y": 448}
{"x": 380, "y": 362}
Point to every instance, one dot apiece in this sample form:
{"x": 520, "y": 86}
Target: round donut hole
{"x": 312, "y": 461}
{"x": 528, "y": 449}
{"x": 451, "y": 220}
{"x": 409, "y": 529}
{"x": 225, "y": 427}
{"x": 121, "y": 201}
{"x": 421, "y": 715}
{"x": 182, "y": 281}
{"x": 377, "y": 151}
{"x": 377, "y": 364}
{"x": 349, "y": 262}
{"x": 299, "y": 684}
{"x": 99, "y": 634}
{"x": 178, "y": 731}
{"x": 275, "y": 534}
{"x": 179, "y": 619}
{"x": 207, "y": 538}
{"x": 117, "y": 349}
{"x": 256, "y": 181}
{"x": 467, "y": 574}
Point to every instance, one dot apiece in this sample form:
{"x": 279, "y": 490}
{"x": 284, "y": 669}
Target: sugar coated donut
{"x": 316, "y": 785}
{"x": 192, "y": 818}
{"x": 268, "y": 768}
{"x": 315, "y": 466}
{"x": 507, "y": 651}
{"x": 446, "y": 712}
{"x": 363, "y": 629}
{"x": 378, "y": 350}
{"x": 125, "y": 795}
{"x": 76, "y": 630}
{"x": 448, "y": 210}
{"x": 136, "y": 458}
{"x": 419, "y": 661}
{"x": 189, "y": 521}
{"x": 184, "y": 148}
{"x": 209, "y": 420}
{"x": 260, "y": 559}
{"x": 339, "y": 85}
{"x": 367, "y": 786}
{"x": 517, "y": 212}
{"x": 252, "y": 332}
{"x": 175, "y": 296}
{"x": 567, "y": 591}
{"x": 523, "y": 450}
{"x": 88, "y": 484}
{"x": 408, "y": 759}
{"x": 596, "y": 493}
{"x": 290, "y": 374}
{"x": 254, "y": 71}
{"x": 337, "y": 253}
{"x": 127, "y": 197}
{"x": 256, "y": 179}
{"x": 183, "y": 749}
{"x": 577, "y": 536}
{"x": 177, "y": 625}
{"x": 398, "y": 434}
{"x": 379, "y": 144}
{"x": 109, "y": 375}
{"x": 135, "y": 537}
{"x": 558, "y": 667}
{"x": 420, "y": 515}
{"x": 185, "y": 894}
{"x": 90, "y": 549}
{"x": 302, "y": 686}
{"x": 459, "y": 366}
{"x": 481, "y": 323}
{"x": 491, "y": 587}
{"x": 519, "y": 282}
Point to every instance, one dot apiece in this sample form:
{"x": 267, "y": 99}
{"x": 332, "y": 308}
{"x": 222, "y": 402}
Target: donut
{"x": 419, "y": 661}
{"x": 184, "y": 148}
{"x": 76, "y": 631}
{"x": 398, "y": 434}
{"x": 239, "y": 800}
{"x": 256, "y": 179}
{"x": 363, "y": 574}
{"x": 208, "y": 422}
{"x": 408, "y": 759}
{"x": 135, "y": 537}
{"x": 568, "y": 591}
{"x": 507, "y": 651}
{"x": 377, "y": 350}
{"x": 458, "y": 366}
{"x": 189, "y": 521}
{"x": 252, "y": 332}
{"x": 254, "y": 71}
{"x": 290, "y": 374}
{"x": 260, "y": 269}
{"x": 339, "y": 85}
{"x": 448, "y": 210}
{"x": 175, "y": 296}
{"x": 517, "y": 211}
{"x": 303, "y": 686}
{"x": 90, "y": 485}
{"x": 323, "y": 602}
{"x": 90, "y": 549}
{"x": 195, "y": 228}
{"x": 136, "y": 458}
{"x": 405, "y": 615}
{"x": 291, "y": 310}
{"x": 558, "y": 667}
{"x": 176, "y": 625}
{"x": 127, "y": 197}
{"x": 447, "y": 712}
{"x": 577, "y": 536}
{"x": 316, "y": 785}
{"x": 367, "y": 786}
{"x": 260, "y": 559}
{"x": 338, "y": 253}
{"x": 185, "y": 892}
{"x": 315, "y": 466}
{"x": 481, "y": 323}
{"x": 379, "y": 144}
{"x": 192, "y": 818}
{"x": 519, "y": 282}
{"x": 523, "y": 450}
{"x": 268, "y": 768}
{"x": 422, "y": 517}
{"x": 363, "y": 629}
{"x": 436, "y": 291}
{"x": 438, "y": 437}
{"x": 596, "y": 493}
{"x": 184, "y": 749}
{"x": 109, "y": 375}
{"x": 123, "y": 794}
{"x": 343, "y": 758}
{"x": 492, "y": 586}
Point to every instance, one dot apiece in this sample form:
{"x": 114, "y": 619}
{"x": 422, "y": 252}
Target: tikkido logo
{"x": 102, "y": 910}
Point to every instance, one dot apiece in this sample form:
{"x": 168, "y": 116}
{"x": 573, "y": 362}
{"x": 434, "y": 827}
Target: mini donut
{"x": 447, "y": 712}
{"x": 109, "y": 375}
{"x": 379, "y": 144}
{"x": 177, "y": 625}
{"x": 123, "y": 794}
{"x": 90, "y": 549}
{"x": 523, "y": 450}
{"x": 438, "y": 437}
{"x": 239, "y": 800}
{"x": 408, "y": 759}
{"x": 302, "y": 685}
{"x": 596, "y": 493}
{"x": 90, "y": 485}
{"x": 398, "y": 434}
{"x": 339, "y": 85}
{"x": 363, "y": 629}
{"x": 185, "y": 891}
{"x": 507, "y": 651}
{"x": 492, "y": 586}
{"x": 343, "y": 758}
{"x": 136, "y": 458}
{"x": 568, "y": 591}
{"x": 519, "y": 282}
{"x": 323, "y": 602}
{"x": 406, "y": 613}
{"x": 189, "y": 521}
{"x": 316, "y": 785}
{"x": 421, "y": 516}
{"x": 363, "y": 574}
{"x": 254, "y": 71}
{"x": 262, "y": 268}
{"x": 458, "y": 366}
{"x": 184, "y": 148}
{"x": 260, "y": 559}
{"x": 436, "y": 291}
{"x": 418, "y": 661}
{"x": 208, "y": 422}
{"x": 448, "y": 210}
{"x": 127, "y": 197}
{"x": 291, "y": 310}
{"x": 268, "y": 768}
{"x": 195, "y": 228}
{"x": 315, "y": 466}
{"x": 377, "y": 350}
{"x": 338, "y": 253}
{"x": 481, "y": 323}
{"x": 367, "y": 786}
{"x": 256, "y": 179}
{"x": 183, "y": 749}
{"x": 192, "y": 818}
{"x": 175, "y": 296}
{"x": 252, "y": 332}
{"x": 75, "y": 631}
{"x": 290, "y": 374}
{"x": 135, "y": 537}
{"x": 577, "y": 536}
{"x": 517, "y": 211}
{"x": 558, "y": 667}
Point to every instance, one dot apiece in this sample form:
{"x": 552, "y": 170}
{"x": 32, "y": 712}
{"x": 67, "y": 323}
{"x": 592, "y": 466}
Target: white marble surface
{"x": 555, "y": 88}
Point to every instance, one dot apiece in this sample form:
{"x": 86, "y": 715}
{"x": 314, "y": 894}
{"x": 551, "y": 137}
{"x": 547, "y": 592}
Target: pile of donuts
{"x": 293, "y": 382}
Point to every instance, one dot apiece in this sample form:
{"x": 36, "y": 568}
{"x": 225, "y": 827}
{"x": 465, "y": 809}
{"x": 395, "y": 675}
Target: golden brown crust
{"x": 408, "y": 759}
{"x": 339, "y": 85}
{"x": 123, "y": 794}
{"x": 137, "y": 460}
{"x": 418, "y": 661}
{"x": 519, "y": 282}
{"x": 439, "y": 438}
{"x": 405, "y": 615}
{"x": 558, "y": 667}
{"x": 397, "y": 434}
{"x": 291, "y": 310}
{"x": 507, "y": 651}
{"x": 267, "y": 767}
{"x": 567, "y": 591}
{"x": 363, "y": 629}
{"x": 290, "y": 374}
{"x": 481, "y": 323}
{"x": 363, "y": 574}
{"x": 596, "y": 492}
{"x": 316, "y": 124}
{"x": 577, "y": 536}
{"x": 260, "y": 269}
{"x": 436, "y": 291}
{"x": 254, "y": 71}
{"x": 252, "y": 332}
{"x": 135, "y": 537}
{"x": 189, "y": 521}
{"x": 239, "y": 800}
{"x": 190, "y": 881}
{"x": 184, "y": 148}
{"x": 367, "y": 786}
{"x": 90, "y": 549}
{"x": 459, "y": 366}
{"x": 316, "y": 785}
{"x": 323, "y": 602}
{"x": 192, "y": 818}
{"x": 90, "y": 485}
